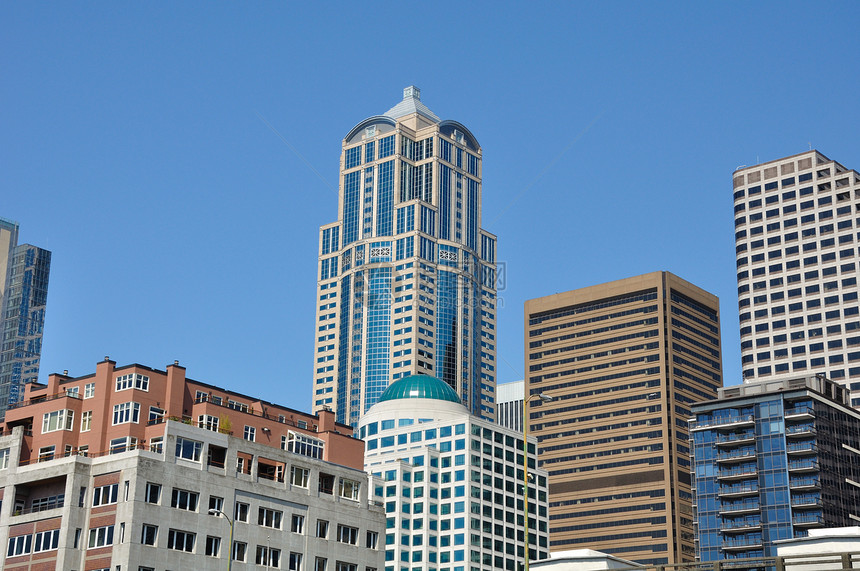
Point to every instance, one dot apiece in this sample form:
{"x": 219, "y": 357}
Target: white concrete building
{"x": 451, "y": 483}
{"x": 509, "y": 405}
{"x": 796, "y": 237}
{"x": 148, "y": 509}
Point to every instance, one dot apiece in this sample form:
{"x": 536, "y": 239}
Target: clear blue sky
{"x": 134, "y": 144}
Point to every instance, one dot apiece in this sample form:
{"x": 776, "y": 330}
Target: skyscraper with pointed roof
{"x": 407, "y": 276}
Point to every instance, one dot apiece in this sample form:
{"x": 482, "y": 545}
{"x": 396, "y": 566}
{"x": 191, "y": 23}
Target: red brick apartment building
{"x": 119, "y": 470}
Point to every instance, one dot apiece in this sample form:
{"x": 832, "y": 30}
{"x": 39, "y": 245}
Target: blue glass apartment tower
{"x": 407, "y": 277}
{"x": 773, "y": 459}
{"x": 24, "y": 271}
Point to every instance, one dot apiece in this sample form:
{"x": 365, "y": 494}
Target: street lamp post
{"x": 543, "y": 398}
{"x": 214, "y": 511}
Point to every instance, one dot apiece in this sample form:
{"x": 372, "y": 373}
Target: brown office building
{"x": 623, "y": 363}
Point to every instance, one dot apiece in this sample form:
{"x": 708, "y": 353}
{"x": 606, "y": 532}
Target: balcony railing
{"x": 737, "y": 472}
{"x": 43, "y": 398}
{"x": 722, "y": 421}
{"x": 803, "y": 465}
{"x": 737, "y": 454}
{"x": 40, "y": 508}
{"x": 739, "y": 507}
{"x": 734, "y": 437}
{"x": 746, "y": 488}
{"x": 800, "y": 411}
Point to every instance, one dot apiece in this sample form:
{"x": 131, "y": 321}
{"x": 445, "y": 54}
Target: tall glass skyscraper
{"x": 407, "y": 277}
{"x": 24, "y": 273}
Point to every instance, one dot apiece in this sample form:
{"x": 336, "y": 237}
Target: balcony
{"x": 738, "y": 508}
{"x": 800, "y": 448}
{"x": 808, "y": 520}
{"x": 743, "y": 489}
{"x": 807, "y": 465}
{"x": 804, "y": 484}
{"x": 799, "y": 430}
{"x": 801, "y": 412}
{"x": 732, "y": 422}
{"x": 743, "y": 543}
{"x": 804, "y": 502}
{"x": 737, "y": 455}
{"x": 740, "y": 526}
{"x": 737, "y": 473}
{"x": 734, "y": 439}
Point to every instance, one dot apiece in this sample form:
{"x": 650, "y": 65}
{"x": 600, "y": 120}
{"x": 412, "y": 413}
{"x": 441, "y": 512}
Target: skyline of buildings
{"x": 406, "y": 289}
{"x": 24, "y": 274}
{"x": 407, "y": 276}
{"x": 451, "y": 482}
{"x": 796, "y": 233}
{"x": 622, "y": 363}
{"x": 774, "y": 459}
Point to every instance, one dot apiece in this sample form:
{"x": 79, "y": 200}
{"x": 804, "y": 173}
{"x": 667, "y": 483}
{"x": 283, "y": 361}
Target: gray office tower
{"x": 24, "y": 273}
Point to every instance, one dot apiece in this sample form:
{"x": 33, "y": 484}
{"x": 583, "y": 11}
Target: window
{"x": 58, "y": 420}
{"x": 208, "y": 422}
{"x": 240, "y": 550}
{"x": 148, "y": 534}
{"x": 269, "y": 518}
{"x": 242, "y": 512}
{"x": 349, "y": 489}
{"x": 295, "y": 561}
{"x": 152, "y": 493}
{"x": 320, "y": 564}
{"x": 118, "y": 445}
{"x": 46, "y": 540}
{"x": 126, "y": 412}
{"x": 132, "y": 381}
{"x": 268, "y": 556}
{"x": 213, "y": 546}
{"x": 21, "y": 545}
{"x": 180, "y": 540}
{"x": 303, "y": 444}
{"x": 156, "y": 414}
{"x": 322, "y": 528}
{"x": 104, "y": 495}
{"x": 250, "y": 433}
{"x": 297, "y": 524}
{"x": 372, "y": 540}
{"x": 188, "y": 449}
{"x": 344, "y": 566}
{"x": 100, "y": 537}
{"x": 184, "y": 500}
{"x": 46, "y": 453}
{"x": 299, "y": 476}
{"x": 347, "y": 534}
{"x": 89, "y": 390}
{"x": 86, "y": 421}
{"x": 156, "y": 444}
{"x": 216, "y": 503}
{"x": 4, "y": 459}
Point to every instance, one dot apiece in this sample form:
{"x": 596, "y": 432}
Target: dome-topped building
{"x": 443, "y": 473}
{"x": 415, "y": 399}
{"x": 419, "y": 387}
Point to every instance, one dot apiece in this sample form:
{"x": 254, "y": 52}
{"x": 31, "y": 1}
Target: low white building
{"x": 148, "y": 509}
{"x": 821, "y": 550}
{"x": 451, "y": 483}
{"x": 583, "y": 560}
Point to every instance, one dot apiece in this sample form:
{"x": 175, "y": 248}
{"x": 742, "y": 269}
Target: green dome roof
{"x": 419, "y": 387}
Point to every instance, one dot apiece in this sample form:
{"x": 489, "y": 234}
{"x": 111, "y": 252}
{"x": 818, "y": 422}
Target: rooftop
{"x": 419, "y": 387}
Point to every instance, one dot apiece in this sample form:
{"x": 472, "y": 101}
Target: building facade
{"x": 451, "y": 483}
{"x": 406, "y": 274}
{"x": 774, "y": 459}
{"x": 509, "y": 405}
{"x": 623, "y": 363}
{"x": 796, "y": 236}
{"x": 77, "y": 495}
{"x": 24, "y": 271}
